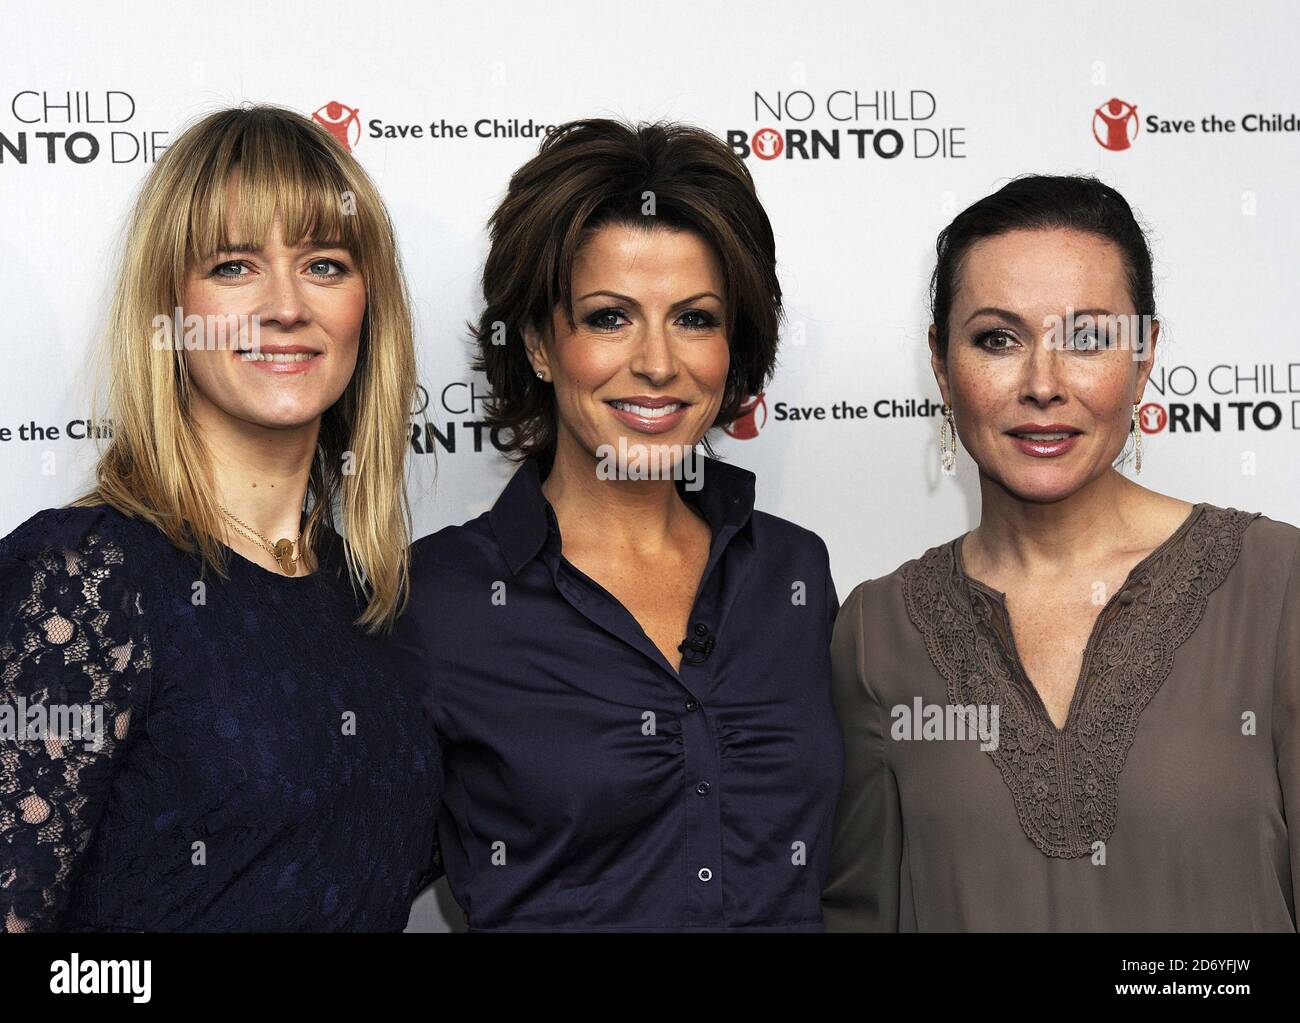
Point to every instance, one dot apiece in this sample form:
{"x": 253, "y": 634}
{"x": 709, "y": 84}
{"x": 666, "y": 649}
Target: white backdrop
{"x": 89, "y": 93}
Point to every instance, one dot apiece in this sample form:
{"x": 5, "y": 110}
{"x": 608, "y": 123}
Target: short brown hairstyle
{"x": 586, "y": 175}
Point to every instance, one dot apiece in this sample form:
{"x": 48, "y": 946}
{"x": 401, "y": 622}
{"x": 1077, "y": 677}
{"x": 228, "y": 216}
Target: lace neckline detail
{"x": 1065, "y": 781}
{"x": 1002, "y": 619}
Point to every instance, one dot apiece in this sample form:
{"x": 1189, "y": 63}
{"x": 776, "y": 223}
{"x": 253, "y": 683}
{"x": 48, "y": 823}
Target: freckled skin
{"x": 637, "y": 538}
{"x": 1058, "y": 536}
{"x": 1038, "y": 274}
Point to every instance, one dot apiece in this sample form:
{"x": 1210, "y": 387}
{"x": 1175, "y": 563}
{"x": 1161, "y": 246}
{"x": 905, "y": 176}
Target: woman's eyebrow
{"x": 1005, "y": 314}
{"x": 1096, "y": 314}
{"x": 695, "y": 298}
{"x": 629, "y": 300}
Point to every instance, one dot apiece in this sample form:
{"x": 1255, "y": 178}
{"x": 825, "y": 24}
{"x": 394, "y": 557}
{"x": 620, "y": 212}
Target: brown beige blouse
{"x": 1169, "y": 800}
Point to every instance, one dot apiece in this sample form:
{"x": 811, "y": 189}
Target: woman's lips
{"x": 647, "y": 418}
{"x": 1044, "y": 442}
{"x": 291, "y": 360}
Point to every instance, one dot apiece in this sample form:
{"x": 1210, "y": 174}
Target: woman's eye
{"x": 605, "y": 319}
{"x": 333, "y": 268}
{"x": 698, "y": 319}
{"x": 995, "y": 340}
{"x": 1090, "y": 341}
{"x": 235, "y": 264}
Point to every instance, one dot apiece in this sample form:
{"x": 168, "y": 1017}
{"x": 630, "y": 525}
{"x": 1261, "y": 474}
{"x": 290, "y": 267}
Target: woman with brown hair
{"x": 626, "y": 663}
{"x": 241, "y": 739}
{"x": 1104, "y": 680}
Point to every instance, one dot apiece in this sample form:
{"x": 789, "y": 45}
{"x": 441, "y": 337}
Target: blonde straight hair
{"x": 156, "y": 466}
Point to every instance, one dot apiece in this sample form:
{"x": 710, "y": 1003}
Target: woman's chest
{"x": 286, "y": 722}
{"x": 1146, "y": 757}
{"x": 658, "y": 596}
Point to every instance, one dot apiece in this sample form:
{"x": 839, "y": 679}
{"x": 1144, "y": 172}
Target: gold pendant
{"x": 284, "y": 555}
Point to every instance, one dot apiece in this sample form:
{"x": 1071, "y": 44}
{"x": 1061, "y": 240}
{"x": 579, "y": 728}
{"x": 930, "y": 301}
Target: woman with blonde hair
{"x": 215, "y": 738}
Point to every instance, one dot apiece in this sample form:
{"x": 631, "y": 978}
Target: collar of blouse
{"x": 523, "y": 520}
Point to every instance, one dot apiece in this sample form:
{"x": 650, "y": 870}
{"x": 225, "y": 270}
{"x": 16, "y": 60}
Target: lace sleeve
{"x": 73, "y": 650}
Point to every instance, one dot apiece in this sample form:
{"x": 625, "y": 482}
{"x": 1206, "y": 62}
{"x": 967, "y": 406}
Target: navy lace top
{"x": 182, "y": 752}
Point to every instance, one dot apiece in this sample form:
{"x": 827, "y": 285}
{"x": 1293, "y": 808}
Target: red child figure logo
{"x": 1152, "y": 417}
{"x": 1118, "y": 124}
{"x": 341, "y": 121}
{"x": 768, "y": 143}
{"x": 753, "y": 414}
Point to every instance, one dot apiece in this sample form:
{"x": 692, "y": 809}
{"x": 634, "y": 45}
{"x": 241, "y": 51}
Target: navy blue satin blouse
{"x": 590, "y": 786}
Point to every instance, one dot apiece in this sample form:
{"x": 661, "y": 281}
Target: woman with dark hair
{"x": 1116, "y": 672}
{"x": 628, "y": 666}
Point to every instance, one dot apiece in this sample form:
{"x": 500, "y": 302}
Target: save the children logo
{"x": 1115, "y": 124}
{"x": 341, "y": 121}
{"x": 1152, "y": 417}
{"x": 753, "y": 414}
{"x": 767, "y": 143}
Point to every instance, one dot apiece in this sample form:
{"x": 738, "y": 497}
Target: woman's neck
{"x": 260, "y": 474}
{"x": 1019, "y": 537}
{"x": 641, "y": 516}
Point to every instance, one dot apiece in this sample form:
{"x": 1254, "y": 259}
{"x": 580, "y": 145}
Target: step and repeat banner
{"x": 867, "y": 127}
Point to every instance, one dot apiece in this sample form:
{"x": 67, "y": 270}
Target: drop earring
{"x": 1137, "y": 442}
{"x": 948, "y": 442}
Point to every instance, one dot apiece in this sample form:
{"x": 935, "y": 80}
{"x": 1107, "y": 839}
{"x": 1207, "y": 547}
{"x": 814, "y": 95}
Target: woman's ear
{"x": 1147, "y": 356}
{"x": 939, "y": 365}
{"x": 537, "y": 354}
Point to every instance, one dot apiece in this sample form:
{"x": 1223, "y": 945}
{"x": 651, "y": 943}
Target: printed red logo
{"x": 767, "y": 144}
{"x": 1152, "y": 418}
{"x": 341, "y": 121}
{"x": 1115, "y": 124}
{"x": 753, "y": 414}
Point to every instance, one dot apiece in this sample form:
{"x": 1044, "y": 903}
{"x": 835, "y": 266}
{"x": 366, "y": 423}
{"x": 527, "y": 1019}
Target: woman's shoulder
{"x": 455, "y": 555}
{"x": 788, "y": 535}
{"x": 81, "y": 528}
{"x": 1264, "y": 546}
{"x": 1268, "y": 534}
{"x": 82, "y": 563}
{"x": 887, "y": 597}
{"x": 75, "y": 539}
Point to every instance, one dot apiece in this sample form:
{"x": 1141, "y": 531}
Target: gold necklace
{"x": 283, "y": 550}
